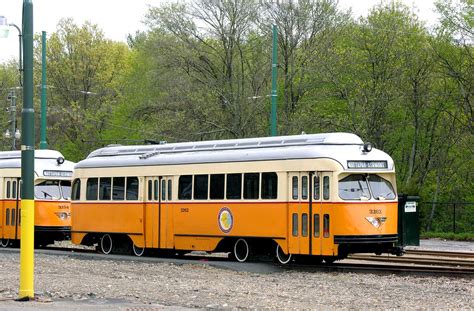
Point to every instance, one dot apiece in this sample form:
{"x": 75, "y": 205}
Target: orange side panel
{"x": 252, "y": 220}
{"x": 196, "y": 243}
{"x": 108, "y": 217}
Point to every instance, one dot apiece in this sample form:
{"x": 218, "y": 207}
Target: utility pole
{"x": 26, "y": 291}
{"x": 273, "y": 123}
{"x": 43, "y": 142}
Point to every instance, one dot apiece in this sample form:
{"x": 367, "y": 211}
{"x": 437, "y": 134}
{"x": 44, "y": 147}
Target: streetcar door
{"x": 11, "y": 209}
{"x": 299, "y": 212}
{"x": 158, "y": 195}
{"x": 327, "y": 214}
{"x": 151, "y": 212}
{"x": 165, "y": 212}
{"x": 317, "y": 201}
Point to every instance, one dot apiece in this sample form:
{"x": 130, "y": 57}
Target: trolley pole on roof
{"x": 43, "y": 142}
{"x": 273, "y": 123}
{"x": 26, "y": 291}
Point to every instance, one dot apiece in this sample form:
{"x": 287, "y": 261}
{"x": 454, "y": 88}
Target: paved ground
{"x": 443, "y": 245}
{"x": 65, "y": 283}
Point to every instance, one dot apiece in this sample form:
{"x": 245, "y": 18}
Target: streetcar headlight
{"x": 367, "y": 147}
{"x": 374, "y": 221}
{"x": 63, "y": 215}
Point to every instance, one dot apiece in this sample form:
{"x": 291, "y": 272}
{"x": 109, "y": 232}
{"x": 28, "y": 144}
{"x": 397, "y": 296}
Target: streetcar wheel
{"x": 4, "y": 242}
{"x": 106, "y": 244}
{"x": 138, "y": 251}
{"x": 281, "y": 256}
{"x": 241, "y": 250}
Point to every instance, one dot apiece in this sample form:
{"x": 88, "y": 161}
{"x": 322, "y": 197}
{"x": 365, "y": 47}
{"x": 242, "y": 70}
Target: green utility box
{"x": 408, "y": 220}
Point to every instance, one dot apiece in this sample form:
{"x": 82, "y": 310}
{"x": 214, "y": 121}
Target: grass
{"x": 448, "y": 236}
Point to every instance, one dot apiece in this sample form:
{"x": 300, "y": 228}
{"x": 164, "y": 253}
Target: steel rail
{"x": 416, "y": 260}
{"x": 266, "y": 266}
{"x": 440, "y": 253}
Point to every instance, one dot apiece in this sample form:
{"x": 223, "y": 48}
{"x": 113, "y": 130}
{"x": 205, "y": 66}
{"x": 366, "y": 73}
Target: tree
{"x": 84, "y": 75}
{"x": 217, "y": 54}
{"x": 306, "y": 29}
{"x": 8, "y": 81}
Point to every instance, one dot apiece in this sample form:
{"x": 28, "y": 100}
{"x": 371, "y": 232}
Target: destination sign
{"x": 57, "y": 173}
{"x": 367, "y": 164}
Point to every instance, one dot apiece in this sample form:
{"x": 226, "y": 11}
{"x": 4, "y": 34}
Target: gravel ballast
{"x": 68, "y": 282}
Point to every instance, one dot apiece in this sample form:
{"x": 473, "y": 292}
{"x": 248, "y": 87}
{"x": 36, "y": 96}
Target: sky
{"x": 118, "y": 18}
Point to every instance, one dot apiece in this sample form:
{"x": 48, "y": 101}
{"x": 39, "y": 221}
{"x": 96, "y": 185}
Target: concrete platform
{"x": 444, "y": 245}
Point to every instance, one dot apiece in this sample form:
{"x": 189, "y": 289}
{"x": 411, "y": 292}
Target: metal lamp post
{"x": 26, "y": 291}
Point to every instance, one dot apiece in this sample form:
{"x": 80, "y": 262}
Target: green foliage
{"x": 8, "y": 79}
{"x": 85, "y": 72}
{"x": 202, "y": 71}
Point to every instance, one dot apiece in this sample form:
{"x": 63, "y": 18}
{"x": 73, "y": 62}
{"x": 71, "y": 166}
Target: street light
{"x": 12, "y": 132}
{"x": 4, "y": 34}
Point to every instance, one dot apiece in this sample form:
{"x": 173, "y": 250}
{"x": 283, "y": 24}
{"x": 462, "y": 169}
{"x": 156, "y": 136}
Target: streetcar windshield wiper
{"x": 46, "y": 194}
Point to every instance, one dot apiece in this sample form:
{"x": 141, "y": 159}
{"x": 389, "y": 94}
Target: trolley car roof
{"x": 45, "y": 163}
{"x": 341, "y": 147}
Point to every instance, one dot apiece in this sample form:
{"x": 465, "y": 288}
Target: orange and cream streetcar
{"x": 319, "y": 197}
{"x": 52, "y": 197}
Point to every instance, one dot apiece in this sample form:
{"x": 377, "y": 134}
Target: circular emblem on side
{"x": 225, "y": 219}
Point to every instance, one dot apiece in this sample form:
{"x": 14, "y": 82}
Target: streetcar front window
{"x": 354, "y": 187}
{"x": 381, "y": 189}
{"x": 48, "y": 190}
{"x": 66, "y": 189}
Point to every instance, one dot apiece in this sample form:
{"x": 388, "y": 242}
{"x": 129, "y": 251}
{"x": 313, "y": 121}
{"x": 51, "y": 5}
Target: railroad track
{"x": 394, "y": 269}
{"x": 422, "y": 257}
{"x": 439, "y": 253}
{"x": 395, "y": 265}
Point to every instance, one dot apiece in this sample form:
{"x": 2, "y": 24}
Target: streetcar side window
{"x": 76, "y": 189}
{"x": 150, "y": 190}
{"x": 316, "y": 225}
{"x": 185, "y": 187}
{"x": 304, "y": 187}
{"x": 251, "y": 185}
{"x": 169, "y": 190}
{"x": 105, "y": 185}
{"x": 326, "y": 187}
{"x": 316, "y": 191}
{"x": 163, "y": 190}
{"x": 217, "y": 187}
{"x": 201, "y": 183}
{"x": 132, "y": 188}
{"x": 91, "y": 188}
{"x": 294, "y": 224}
{"x": 304, "y": 224}
{"x": 269, "y": 185}
{"x": 234, "y": 186}
{"x": 294, "y": 187}
{"x": 155, "y": 190}
{"x": 7, "y": 216}
{"x": 14, "y": 188}
{"x": 118, "y": 190}
{"x": 8, "y": 189}
{"x": 13, "y": 217}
